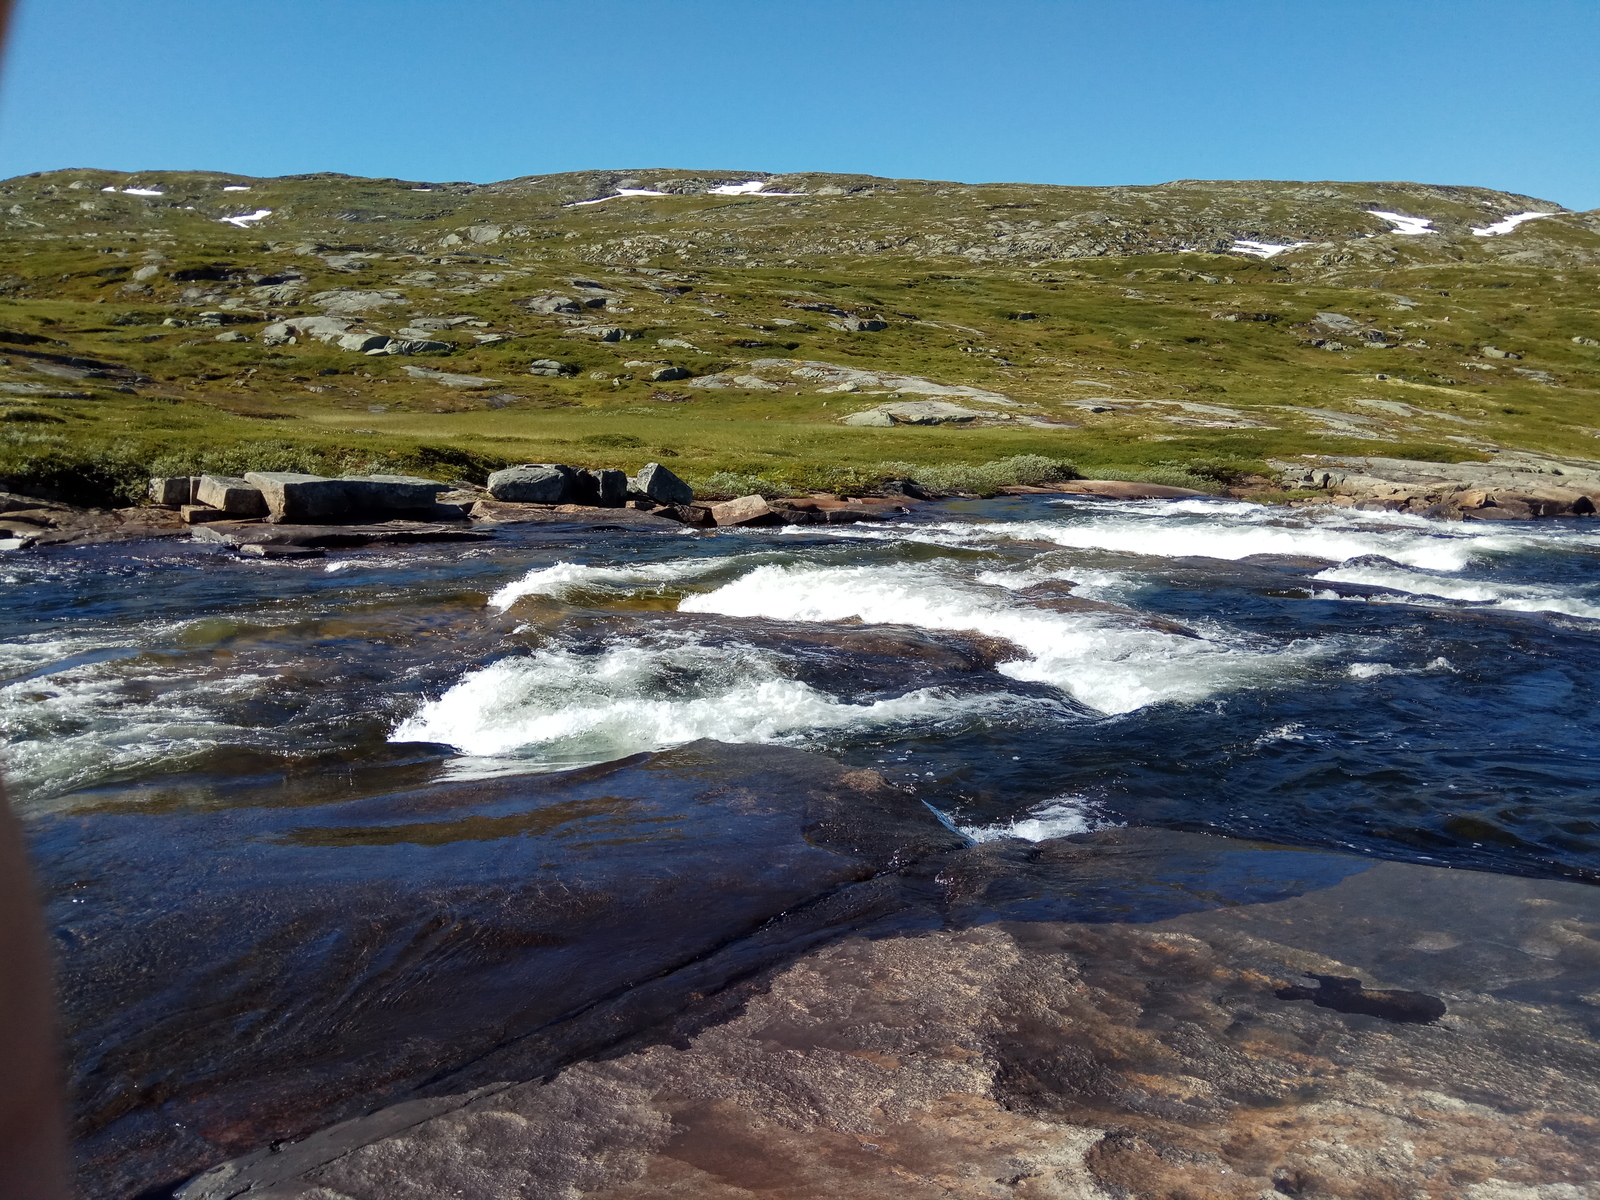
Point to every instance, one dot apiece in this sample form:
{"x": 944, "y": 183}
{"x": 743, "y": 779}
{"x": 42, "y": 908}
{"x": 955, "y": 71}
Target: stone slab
{"x": 1005, "y": 1051}
{"x": 329, "y": 537}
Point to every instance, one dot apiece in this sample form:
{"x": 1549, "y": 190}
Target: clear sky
{"x": 1503, "y": 95}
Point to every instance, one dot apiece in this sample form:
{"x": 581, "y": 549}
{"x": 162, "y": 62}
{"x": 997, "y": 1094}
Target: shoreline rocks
{"x": 1513, "y": 486}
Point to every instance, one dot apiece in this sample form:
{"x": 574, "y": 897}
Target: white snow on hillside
{"x": 245, "y": 220}
{"x": 1404, "y": 224}
{"x": 752, "y": 187}
{"x": 1510, "y": 223}
{"x": 1265, "y": 249}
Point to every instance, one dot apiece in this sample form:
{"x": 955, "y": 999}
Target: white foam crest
{"x": 1515, "y": 597}
{"x": 561, "y": 707}
{"x": 1061, "y": 817}
{"x": 86, "y": 724}
{"x": 1097, "y": 659}
{"x": 566, "y": 577}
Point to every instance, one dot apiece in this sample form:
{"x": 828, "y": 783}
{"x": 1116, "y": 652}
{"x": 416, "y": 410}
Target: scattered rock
{"x": 550, "y": 367}
{"x": 859, "y": 324}
{"x": 604, "y": 333}
{"x": 534, "y": 483}
{"x": 668, "y": 374}
{"x": 446, "y": 379}
{"x": 174, "y": 491}
{"x": 353, "y": 300}
{"x": 230, "y": 494}
{"x": 655, "y": 482}
{"x": 322, "y": 329}
{"x": 1496, "y": 352}
{"x": 262, "y": 550}
{"x": 874, "y": 418}
{"x": 929, "y": 412}
{"x": 747, "y": 510}
{"x": 550, "y": 302}
{"x": 1587, "y": 341}
{"x": 832, "y": 376}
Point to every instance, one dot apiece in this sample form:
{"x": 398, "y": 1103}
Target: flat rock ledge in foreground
{"x": 1092, "y": 1060}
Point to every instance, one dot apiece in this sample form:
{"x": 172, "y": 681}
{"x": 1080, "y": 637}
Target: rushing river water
{"x": 1324, "y": 678}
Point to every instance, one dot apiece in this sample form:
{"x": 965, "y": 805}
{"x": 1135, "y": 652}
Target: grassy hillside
{"x": 1136, "y": 301}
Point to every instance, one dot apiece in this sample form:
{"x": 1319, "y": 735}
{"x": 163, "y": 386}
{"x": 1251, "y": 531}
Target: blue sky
{"x": 1503, "y": 95}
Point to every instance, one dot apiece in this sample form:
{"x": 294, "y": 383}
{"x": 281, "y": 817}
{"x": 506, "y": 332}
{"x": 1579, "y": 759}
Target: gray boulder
{"x": 550, "y": 302}
{"x": 860, "y": 324}
{"x": 662, "y": 486}
{"x": 173, "y": 491}
{"x": 295, "y": 329}
{"x": 604, "y": 488}
{"x": 549, "y": 366}
{"x": 533, "y": 483}
{"x": 291, "y": 496}
{"x": 915, "y": 412}
{"x": 667, "y": 374}
{"x": 231, "y": 495}
{"x": 416, "y": 346}
{"x": 361, "y": 343}
{"x": 391, "y": 493}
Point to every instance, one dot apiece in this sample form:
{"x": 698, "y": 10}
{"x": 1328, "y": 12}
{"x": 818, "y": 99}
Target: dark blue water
{"x": 1360, "y": 681}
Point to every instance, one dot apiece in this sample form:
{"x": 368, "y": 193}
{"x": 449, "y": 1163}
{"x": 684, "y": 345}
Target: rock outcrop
{"x": 1099, "y": 1017}
{"x": 1513, "y": 486}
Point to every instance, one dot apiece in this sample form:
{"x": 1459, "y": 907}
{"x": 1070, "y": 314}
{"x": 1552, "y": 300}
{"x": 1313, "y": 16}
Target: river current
{"x": 1364, "y": 681}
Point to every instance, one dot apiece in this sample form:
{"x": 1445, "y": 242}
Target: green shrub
{"x": 983, "y": 479}
{"x": 728, "y": 485}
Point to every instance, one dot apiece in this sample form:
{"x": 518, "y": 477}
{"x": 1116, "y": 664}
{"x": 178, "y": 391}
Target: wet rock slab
{"x": 999, "y": 1050}
{"x": 379, "y": 533}
{"x": 286, "y": 964}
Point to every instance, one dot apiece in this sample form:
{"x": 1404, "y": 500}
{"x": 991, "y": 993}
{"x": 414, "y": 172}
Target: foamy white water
{"x": 1097, "y": 659}
{"x": 1512, "y": 596}
{"x": 564, "y": 578}
{"x": 1061, "y": 817}
{"x": 564, "y": 707}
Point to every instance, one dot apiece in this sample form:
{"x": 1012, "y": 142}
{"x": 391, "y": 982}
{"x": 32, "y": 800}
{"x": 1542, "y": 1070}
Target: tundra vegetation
{"x": 1192, "y": 333}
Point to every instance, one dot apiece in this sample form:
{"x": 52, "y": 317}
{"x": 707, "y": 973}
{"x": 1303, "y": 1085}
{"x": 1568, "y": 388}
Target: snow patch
{"x": 237, "y": 187}
{"x": 245, "y": 220}
{"x": 1403, "y": 224}
{"x": 142, "y": 192}
{"x": 1265, "y": 249}
{"x": 753, "y": 187}
{"x": 1510, "y": 223}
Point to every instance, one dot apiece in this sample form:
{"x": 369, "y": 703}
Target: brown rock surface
{"x": 1099, "y": 1061}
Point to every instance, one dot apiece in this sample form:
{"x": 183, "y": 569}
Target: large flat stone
{"x": 291, "y": 496}
{"x": 330, "y": 537}
{"x": 1008, "y": 1051}
{"x": 283, "y": 966}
